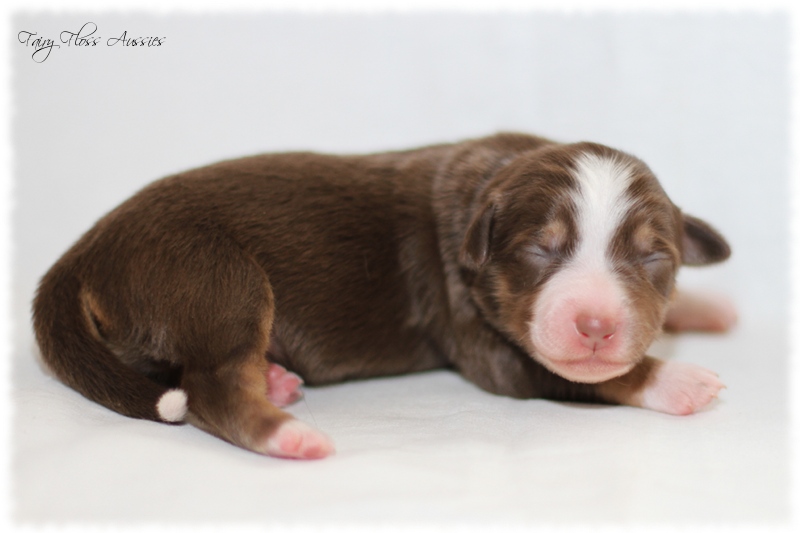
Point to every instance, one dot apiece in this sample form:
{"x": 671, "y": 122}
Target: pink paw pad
{"x": 681, "y": 388}
{"x": 296, "y": 440}
{"x": 283, "y": 387}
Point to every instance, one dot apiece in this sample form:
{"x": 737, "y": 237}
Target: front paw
{"x": 679, "y": 388}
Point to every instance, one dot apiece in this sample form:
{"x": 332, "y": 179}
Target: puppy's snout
{"x": 595, "y": 331}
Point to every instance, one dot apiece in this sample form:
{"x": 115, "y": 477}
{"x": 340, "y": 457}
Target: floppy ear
{"x": 702, "y": 244}
{"x": 475, "y": 248}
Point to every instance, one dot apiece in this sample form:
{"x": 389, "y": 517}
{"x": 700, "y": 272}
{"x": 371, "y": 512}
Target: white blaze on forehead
{"x": 602, "y": 202}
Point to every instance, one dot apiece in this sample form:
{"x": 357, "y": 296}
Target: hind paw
{"x": 700, "y": 312}
{"x": 283, "y": 387}
{"x": 295, "y": 440}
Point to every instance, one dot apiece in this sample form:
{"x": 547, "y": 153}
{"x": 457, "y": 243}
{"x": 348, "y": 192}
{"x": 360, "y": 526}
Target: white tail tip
{"x": 172, "y": 405}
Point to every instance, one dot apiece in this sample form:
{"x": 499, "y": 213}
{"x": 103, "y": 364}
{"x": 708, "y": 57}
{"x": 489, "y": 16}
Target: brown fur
{"x": 335, "y": 268}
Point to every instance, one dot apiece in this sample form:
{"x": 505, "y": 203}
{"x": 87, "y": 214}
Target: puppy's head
{"x": 572, "y": 252}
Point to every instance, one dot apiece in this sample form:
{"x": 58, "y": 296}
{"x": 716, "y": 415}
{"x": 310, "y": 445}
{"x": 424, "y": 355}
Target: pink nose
{"x": 595, "y": 331}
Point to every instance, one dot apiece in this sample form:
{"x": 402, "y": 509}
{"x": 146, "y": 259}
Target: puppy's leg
{"x": 231, "y": 401}
{"x": 222, "y": 333}
{"x": 671, "y": 387}
{"x": 700, "y": 312}
{"x": 666, "y": 386}
{"x": 487, "y": 360}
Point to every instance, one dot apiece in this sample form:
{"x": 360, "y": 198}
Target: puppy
{"x": 533, "y": 268}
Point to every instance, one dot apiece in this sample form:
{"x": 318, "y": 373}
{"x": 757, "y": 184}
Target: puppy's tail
{"x": 72, "y": 350}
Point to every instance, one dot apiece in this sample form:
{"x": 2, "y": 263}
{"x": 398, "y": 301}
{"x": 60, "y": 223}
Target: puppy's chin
{"x": 559, "y": 349}
{"x": 581, "y": 364}
{"x": 587, "y": 370}
{"x": 561, "y": 352}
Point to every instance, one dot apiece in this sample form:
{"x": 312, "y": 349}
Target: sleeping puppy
{"x": 533, "y": 268}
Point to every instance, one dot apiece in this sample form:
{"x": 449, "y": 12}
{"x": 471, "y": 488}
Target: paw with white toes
{"x": 296, "y": 440}
{"x": 679, "y": 388}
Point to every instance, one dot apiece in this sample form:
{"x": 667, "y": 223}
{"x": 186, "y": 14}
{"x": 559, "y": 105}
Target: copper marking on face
{"x": 554, "y": 234}
{"x": 643, "y": 238}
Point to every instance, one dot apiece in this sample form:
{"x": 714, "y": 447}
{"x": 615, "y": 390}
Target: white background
{"x": 703, "y": 98}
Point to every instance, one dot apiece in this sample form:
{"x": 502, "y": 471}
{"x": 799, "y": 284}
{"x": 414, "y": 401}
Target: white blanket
{"x": 425, "y": 449}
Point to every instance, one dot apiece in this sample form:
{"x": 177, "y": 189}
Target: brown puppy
{"x": 533, "y": 268}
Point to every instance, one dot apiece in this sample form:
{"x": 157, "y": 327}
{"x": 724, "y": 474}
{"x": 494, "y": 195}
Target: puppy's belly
{"x": 322, "y": 358}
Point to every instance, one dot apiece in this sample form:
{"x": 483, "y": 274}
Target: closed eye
{"x": 659, "y": 268}
{"x": 541, "y": 251}
{"x": 655, "y": 257}
{"x": 541, "y": 255}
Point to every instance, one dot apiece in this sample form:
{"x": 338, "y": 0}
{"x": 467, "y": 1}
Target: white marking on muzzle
{"x": 587, "y": 286}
